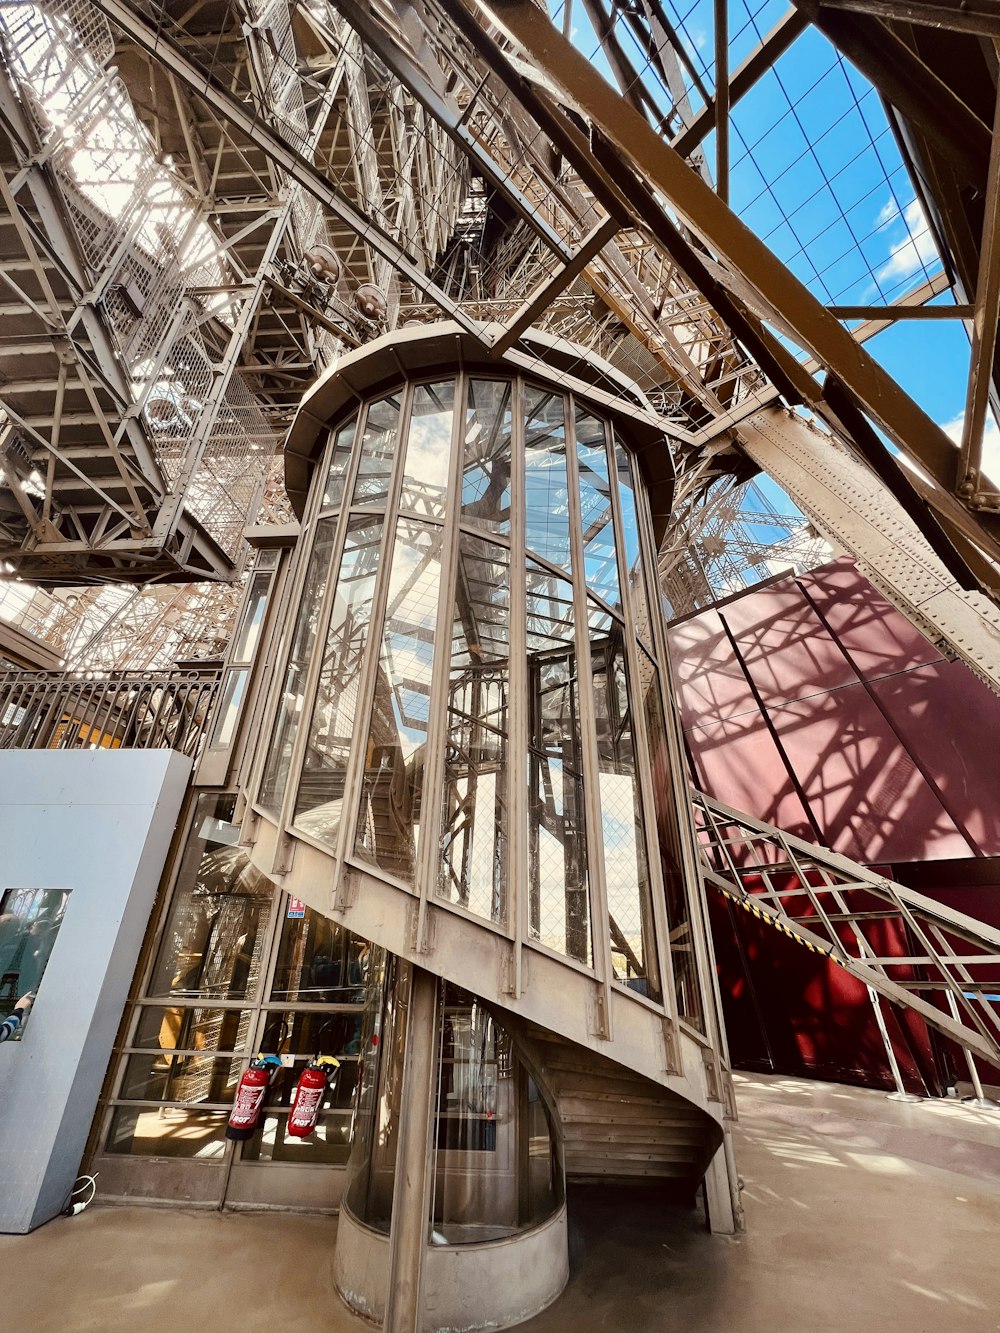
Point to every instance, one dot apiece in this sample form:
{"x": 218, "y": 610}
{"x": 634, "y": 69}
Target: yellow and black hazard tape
{"x": 764, "y": 914}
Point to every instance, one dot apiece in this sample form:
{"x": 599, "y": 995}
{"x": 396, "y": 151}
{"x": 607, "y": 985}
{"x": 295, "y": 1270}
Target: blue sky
{"x": 816, "y": 173}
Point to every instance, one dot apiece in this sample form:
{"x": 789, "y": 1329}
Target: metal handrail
{"x": 136, "y": 710}
{"x": 825, "y": 901}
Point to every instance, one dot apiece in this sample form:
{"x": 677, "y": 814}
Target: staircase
{"x": 635, "y": 1095}
{"x": 614, "y": 1124}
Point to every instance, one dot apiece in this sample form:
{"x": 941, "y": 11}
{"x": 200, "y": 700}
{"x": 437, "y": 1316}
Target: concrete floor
{"x": 862, "y": 1214}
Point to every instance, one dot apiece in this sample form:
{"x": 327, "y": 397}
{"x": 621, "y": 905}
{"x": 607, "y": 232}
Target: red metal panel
{"x": 710, "y": 682}
{"x": 867, "y": 796}
{"x": 879, "y": 640}
{"x": 951, "y": 722}
{"x": 793, "y": 1012}
{"x": 784, "y": 646}
{"x": 739, "y": 764}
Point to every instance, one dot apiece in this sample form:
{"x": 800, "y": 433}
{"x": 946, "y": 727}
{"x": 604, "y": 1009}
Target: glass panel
{"x": 389, "y": 819}
{"x": 245, "y": 646}
{"x": 546, "y": 488}
{"x": 428, "y": 450}
{"x": 340, "y": 458}
{"x": 378, "y": 448}
{"x": 29, "y": 922}
{"x": 168, "y": 1132}
{"x": 180, "y": 1078}
{"x": 678, "y": 917}
{"x": 299, "y": 1037}
{"x": 486, "y": 459}
{"x": 328, "y": 1145}
{"x": 319, "y": 962}
{"x": 229, "y": 707}
{"x": 494, "y": 1167}
{"x": 184, "y": 1028}
{"x": 472, "y": 866}
{"x": 321, "y": 786}
{"x": 558, "y": 906}
{"x": 372, "y": 1169}
{"x": 475, "y": 1127}
{"x": 213, "y": 941}
{"x": 303, "y": 646}
{"x": 633, "y": 947}
{"x": 631, "y": 556}
{"x": 600, "y": 568}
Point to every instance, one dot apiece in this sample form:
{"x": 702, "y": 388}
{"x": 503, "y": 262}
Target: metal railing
{"x": 148, "y": 710}
{"x": 918, "y": 953}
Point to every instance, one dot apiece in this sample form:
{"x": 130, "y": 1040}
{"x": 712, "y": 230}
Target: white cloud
{"x": 888, "y": 211}
{"x": 991, "y": 443}
{"x": 914, "y": 251}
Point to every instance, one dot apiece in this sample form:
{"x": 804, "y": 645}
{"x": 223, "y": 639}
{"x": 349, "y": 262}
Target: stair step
{"x": 660, "y": 1117}
{"x": 612, "y": 1169}
{"x": 584, "y": 1083}
{"x": 634, "y": 1134}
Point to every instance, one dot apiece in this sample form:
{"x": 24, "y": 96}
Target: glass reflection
{"x": 372, "y": 1167}
{"x": 472, "y": 866}
{"x": 180, "y": 1078}
{"x": 272, "y": 788}
{"x": 334, "y": 720}
{"x": 29, "y": 923}
{"x": 378, "y": 448}
{"x": 340, "y": 460}
{"x": 631, "y": 556}
{"x": 388, "y": 823}
{"x": 320, "y": 962}
{"x": 630, "y": 923}
{"x": 486, "y": 457}
{"x": 599, "y": 565}
{"x": 245, "y": 646}
{"x": 559, "y": 914}
{"x": 213, "y": 941}
{"x": 193, "y": 1056}
{"x": 428, "y": 450}
{"x": 546, "y": 487}
{"x": 682, "y": 959}
{"x": 494, "y": 1163}
{"x": 165, "y": 1131}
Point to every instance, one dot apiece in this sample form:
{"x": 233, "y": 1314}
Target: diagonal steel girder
{"x": 405, "y": 50}
{"x": 164, "y": 47}
{"x": 623, "y": 155}
{"x": 824, "y": 901}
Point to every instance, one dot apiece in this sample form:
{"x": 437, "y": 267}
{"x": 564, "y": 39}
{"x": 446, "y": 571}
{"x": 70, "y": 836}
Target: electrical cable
{"x": 80, "y": 1186}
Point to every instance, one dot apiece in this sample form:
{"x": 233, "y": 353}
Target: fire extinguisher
{"x": 308, "y": 1095}
{"x": 250, "y": 1097}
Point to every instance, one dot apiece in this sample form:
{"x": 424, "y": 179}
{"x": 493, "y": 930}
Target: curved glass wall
{"x": 472, "y": 701}
{"x": 495, "y": 1167}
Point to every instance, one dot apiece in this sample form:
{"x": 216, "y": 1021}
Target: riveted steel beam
{"x": 754, "y": 285}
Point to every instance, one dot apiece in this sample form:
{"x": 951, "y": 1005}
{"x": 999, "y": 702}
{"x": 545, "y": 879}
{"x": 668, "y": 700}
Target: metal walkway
{"x": 913, "y": 951}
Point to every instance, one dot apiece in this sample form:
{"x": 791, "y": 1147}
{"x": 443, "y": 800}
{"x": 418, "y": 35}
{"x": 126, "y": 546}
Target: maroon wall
{"x": 813, "y": 704}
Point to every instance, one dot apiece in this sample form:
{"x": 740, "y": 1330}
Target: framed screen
{"x": 29, "y": 922}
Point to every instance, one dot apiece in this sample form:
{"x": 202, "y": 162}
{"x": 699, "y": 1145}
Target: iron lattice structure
{"x": 204, "y": 204}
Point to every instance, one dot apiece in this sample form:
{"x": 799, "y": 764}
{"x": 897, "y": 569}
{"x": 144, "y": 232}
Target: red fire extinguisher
{"x": 308, "y": 1095}
{"x": 250, "y": 1097}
